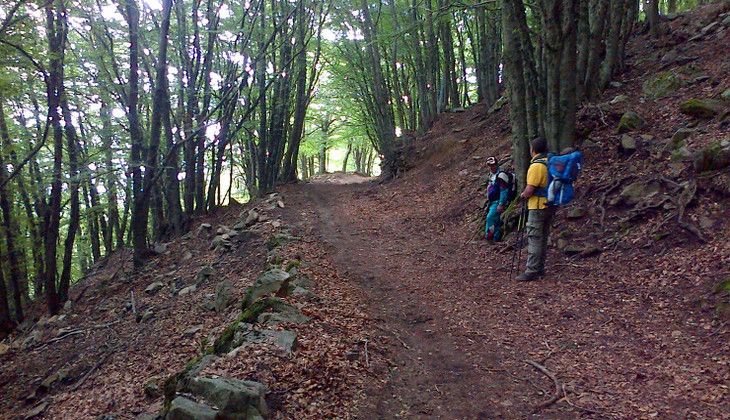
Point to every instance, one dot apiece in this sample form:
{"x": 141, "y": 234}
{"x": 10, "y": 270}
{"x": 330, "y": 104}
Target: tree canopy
{"x": 120, "y": 120}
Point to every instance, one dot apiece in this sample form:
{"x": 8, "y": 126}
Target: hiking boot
{"x": 529, "y": 276}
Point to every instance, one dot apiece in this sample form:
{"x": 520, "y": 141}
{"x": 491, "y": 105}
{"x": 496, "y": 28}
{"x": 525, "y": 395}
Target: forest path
{"x": 411, "y": 277}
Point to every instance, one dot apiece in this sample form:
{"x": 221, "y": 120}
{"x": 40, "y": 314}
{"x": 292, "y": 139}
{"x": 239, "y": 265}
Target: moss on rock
{"x": 711, "y": 158}
{"x": 661, "y": 85}
{"x": 701, "y": 108}
{"x": 630, "y": 121}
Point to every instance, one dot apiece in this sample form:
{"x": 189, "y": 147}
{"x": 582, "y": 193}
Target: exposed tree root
{"x": 556, "y": 392}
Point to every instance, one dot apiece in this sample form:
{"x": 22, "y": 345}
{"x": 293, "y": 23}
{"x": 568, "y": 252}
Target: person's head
{"x": 492, "y": 162}
{"x": 538, "y": 145}
{"x": 567, "y": 150}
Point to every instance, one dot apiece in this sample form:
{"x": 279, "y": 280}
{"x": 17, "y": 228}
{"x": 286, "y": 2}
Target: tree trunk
{"x": 16, "y": 274}
{"x": 651, "y": 7}
{"x": 300, "y": 101}
{"x": 584, "y": 39}
{"x": 591, "y": 82}
{"x": 110, "y": 180}
{"x": 56, "y": 27}
{"x": 612, "y": 42}
{"x": 72, "y": 147}
{"x": 515, "y": 71}
{"x": 139, "y": 202}
{"x": 6, "y": 324}
{"x": 187, "y": 102}
{"x": 672, "y": 6}
{"x": 383, "y": 118}
{"x": 347, "y": 156}
{"x": 322, "y": 159}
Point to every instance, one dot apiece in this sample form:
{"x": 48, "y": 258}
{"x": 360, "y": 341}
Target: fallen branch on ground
{"x": 556, "y": 393}
{"x": 65, "y": 335}
{"x": 367, "y": 356}
{"x": 400, "y": 339}
{"x": 101, "y": 361}
{"x": 576, "y": 406}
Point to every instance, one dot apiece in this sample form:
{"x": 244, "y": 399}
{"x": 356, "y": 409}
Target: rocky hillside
{"x": 343, "y": 298}
{"x": 224, "y": 321}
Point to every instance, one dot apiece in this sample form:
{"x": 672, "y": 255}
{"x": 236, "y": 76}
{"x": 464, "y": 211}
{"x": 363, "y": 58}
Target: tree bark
{"x": 16, "y": 274}
{"x": 347, "y": 156}
{"x": 139, "y": 202}
{"x": 6, "y": 324}
{"x": 383, "y": 112}
{"x": 591, "y": 82}
{"x": 651, "y": 7}
{"x": 72, "y": 147}
{"x": 56, "y": 28}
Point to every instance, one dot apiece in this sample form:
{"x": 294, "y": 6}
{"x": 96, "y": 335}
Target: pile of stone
{"x": 263, "y": 311}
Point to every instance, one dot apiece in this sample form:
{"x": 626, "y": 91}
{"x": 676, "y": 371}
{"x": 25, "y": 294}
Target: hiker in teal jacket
{"x": 497, "y": 194}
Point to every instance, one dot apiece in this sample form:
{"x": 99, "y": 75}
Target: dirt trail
{"x": 460, "y": 334}
{"x": 440, "y": 369}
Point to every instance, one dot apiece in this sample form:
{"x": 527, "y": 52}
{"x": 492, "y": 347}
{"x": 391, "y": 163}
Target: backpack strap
{"x": 542, "y": 191}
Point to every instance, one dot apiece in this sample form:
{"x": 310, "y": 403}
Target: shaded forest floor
{"x": 414, "y": 317}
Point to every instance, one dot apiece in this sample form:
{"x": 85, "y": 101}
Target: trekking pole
{"x": 520, "y": 222}
{"x": 522, "y": 232}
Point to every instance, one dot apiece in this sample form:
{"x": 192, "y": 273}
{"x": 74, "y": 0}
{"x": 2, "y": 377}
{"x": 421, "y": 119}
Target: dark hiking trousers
{"x": 538, "y": 229}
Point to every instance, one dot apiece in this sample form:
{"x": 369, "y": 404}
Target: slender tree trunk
{"x": 56, "y": 34}
{"x": 651, "y": 7}
{"x": 672, "y": 6}
{"x": 187, "y": 103}
{"x": 610, "y": 62}
{"x": 300, "y": 100}
{"x": 110, "y": 180}
{"x": 16, "y": 274}
{"x": 6, "y": 324}
{"x": 92, "y": 222}
{"x": 584, "y": 39}
{"x": 347, "y": 156}
{"x": 74, "y": 217}
{"x": 384, "y": 121}
{"x": 139, "y": 202}
{"x": 591, "y": 82}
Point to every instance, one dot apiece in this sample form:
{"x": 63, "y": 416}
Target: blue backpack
{"x": 563, "y": 170}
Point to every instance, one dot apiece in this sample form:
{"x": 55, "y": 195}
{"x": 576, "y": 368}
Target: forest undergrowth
{"x": 407, "y": 313}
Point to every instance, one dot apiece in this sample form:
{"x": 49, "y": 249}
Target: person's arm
{"x": 528, "y": 192}
{"x": 532, "y": 182}
{"x": 503, "y": 195}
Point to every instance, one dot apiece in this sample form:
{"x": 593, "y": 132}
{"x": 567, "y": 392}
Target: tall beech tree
{"x": 122, "y": 120}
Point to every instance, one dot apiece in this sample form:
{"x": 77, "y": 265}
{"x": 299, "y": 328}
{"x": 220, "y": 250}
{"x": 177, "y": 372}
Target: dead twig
{"x": 108, "y": 324}
{"x": 610, "y": 320}
{"x": 400, "y": 339}
{"x": 134, "y": 304}
{"x": 556, "y": 393}
{"x": 686, "y": 197}
{"x": 609, "y": 190}
{"x": 566, "y": 264}
{"x": 367, "y": 356}
{"x": 101, "y": 361}
{"x": 576, "y": 406}
{"x": 65, "y": 335}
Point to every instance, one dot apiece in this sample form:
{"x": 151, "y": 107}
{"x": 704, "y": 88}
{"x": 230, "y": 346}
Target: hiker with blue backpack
{"x": 549, "y": 184}
{"x": 500, "y": 192}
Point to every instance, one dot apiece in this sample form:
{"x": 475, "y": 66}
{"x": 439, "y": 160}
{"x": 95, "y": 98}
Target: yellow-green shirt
{"x": 537, "y": 176}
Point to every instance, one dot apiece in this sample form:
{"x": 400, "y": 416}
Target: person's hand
{"x": 524, "y": 195}
{"x": 500, "y": 208}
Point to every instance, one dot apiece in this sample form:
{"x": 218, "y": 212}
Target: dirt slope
{"x": 100, "y": 359}
{"x": 414, "y": 318}
{"x": 630, "y": 329}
